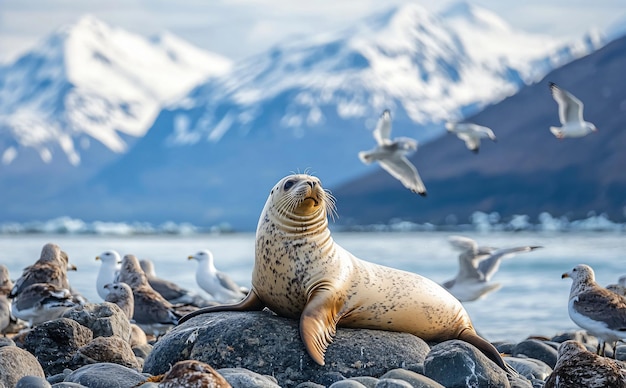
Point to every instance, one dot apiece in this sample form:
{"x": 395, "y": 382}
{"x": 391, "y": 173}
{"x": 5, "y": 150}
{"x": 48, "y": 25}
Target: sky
{"x": 240, "y": 28}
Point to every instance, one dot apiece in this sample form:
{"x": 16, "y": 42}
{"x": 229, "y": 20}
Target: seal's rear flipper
{"x": 250, "y": 303}
{"x": 488, "y": 350}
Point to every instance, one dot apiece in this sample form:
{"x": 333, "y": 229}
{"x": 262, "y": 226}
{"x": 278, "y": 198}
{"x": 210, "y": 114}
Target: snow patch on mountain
{"x": 434, "y": 67}
{"x": 91, "y": 79}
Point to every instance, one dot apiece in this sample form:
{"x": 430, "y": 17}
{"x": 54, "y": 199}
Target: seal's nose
{"x": 311, "y": 183}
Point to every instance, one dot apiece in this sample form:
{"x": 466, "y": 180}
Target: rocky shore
{"x": 90, "y": 346}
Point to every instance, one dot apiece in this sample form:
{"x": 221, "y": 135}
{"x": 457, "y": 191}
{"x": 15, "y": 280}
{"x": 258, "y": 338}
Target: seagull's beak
{"x": 565, "y": 275}
{"x": 189, "y": 257}
{"x": 97, "y": 257}
{"x": 71, "y": 267}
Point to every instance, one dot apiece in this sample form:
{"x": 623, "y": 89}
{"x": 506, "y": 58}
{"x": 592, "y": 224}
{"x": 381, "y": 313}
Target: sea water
{"x": 532, "y": 300}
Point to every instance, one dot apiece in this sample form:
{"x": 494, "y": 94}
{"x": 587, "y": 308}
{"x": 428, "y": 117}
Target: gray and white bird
{"x": 471, "y": 134}
{"x": 5, "y": 313}
{"x": 122, "y": 295}
{"x": 392, "y": 155}
{"x": 577, "y": 367}
{"x": 171, "y": 291}
{"x": 477, "y": 265}
{"x": 620, "y": 287}
{"x": 5, "y": 281}
{"x": 50, "y": 268}
{"x": 40, "y": 302}
{"x": 152, "y": 312}
{"x": 570, "y": 115}
{"x": 109, "y": 269}
{"x": 594, "y": 308}
{"x": 216, "y": 283}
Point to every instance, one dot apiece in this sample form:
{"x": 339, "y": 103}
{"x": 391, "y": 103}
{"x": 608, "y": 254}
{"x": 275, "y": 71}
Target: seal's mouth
{"x": 315, "y": 201}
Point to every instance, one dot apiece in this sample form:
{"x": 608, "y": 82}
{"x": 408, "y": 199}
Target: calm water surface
{"x": 532, "y": 300}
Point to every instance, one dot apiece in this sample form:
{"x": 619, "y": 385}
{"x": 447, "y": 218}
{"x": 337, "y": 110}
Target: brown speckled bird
{"x": 577, "y": 367}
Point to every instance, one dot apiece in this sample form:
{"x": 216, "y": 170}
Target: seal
{"x": 301, "y": 273}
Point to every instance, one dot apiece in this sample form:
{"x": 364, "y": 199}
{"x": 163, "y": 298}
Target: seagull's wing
{"x": 471, "y": 142}
{"x": 227, "y": 283}
{"x": 467, "y": 269}
{"x": 602, "y": 305}
{"x": 489, "y": 266}
{"x": 570, "y": 107}
{"x": 484, "y": 131}
{"x": 382, "y": 132}
{"x": 463, "y": 244}
{"x": 400, "y": 168}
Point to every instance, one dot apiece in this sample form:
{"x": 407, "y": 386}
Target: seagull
{"x": 570, "y": 115}
{"x": 620, "y": 287}
{"x": 51, "y": 268}
{"x": 109, "y": 269}
{"x": 577, "y": 367}
{"x": 191, "y": 373}
{"x": 152, "y": 312}
{"x": 40, "y": 302}
{"x": 122, "y": 295}
{"x": 5, "y": 281}
{"x": 5, "y": 313}
{"x": 471, "y": 134}
{"x": 594, "y": 308}
{"x": 219, "y": 285}
{"x": 391, "y": 155}
{"x": 171, "y": 291}
{"x": 477, "y": 265}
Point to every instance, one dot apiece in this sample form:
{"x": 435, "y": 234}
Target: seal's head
{"x": 302, "y": 195}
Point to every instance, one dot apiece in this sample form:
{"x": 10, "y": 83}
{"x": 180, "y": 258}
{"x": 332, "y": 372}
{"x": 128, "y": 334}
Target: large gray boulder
{"x": 271, "y": 345}
{"x": 105, "y": 375}
{"x": 16, "y": 363}
{"x": 104, "y": 319}
{"x": 55, "y": 342}
{"x": 457, "y": 364}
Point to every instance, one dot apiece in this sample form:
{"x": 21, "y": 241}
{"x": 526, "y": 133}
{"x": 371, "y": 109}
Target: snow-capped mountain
{"x": 90, "y": 81}
{"x": 430, "y": 67}
{"x": 307, "y": 103}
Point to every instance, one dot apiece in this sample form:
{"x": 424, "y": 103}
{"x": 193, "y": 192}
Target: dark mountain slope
{"x": 528, "y": 171}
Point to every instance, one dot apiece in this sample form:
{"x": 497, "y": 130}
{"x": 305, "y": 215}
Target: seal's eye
{"x": 288, "y": 185}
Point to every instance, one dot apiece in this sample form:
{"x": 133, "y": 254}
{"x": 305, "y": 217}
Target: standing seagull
{"x": 219, "y": 285}
{"x": 40, "y": 302}
{"x": 471, "y": 134}
{"x": 51, "y": 268}
{"x": 152, "y": 312}
{"x": 477, "y": 265}
{"x": 109, "y": 270}
{"x": 594, "y": 308}
{"x": 171, "y": 291}
{"x": 391, "y": 155}
{"x": 5, "y": 281}
{"x": 577, "y": 367}
{"x": 570, "y": 115}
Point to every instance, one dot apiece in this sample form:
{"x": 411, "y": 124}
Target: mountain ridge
{"x": 528, "y": 171}
{"x": 304, "y": 104}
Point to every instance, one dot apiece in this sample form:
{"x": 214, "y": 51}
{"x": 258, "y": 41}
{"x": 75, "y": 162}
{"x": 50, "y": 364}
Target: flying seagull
{"x": 477, "y": 265}
{"x": 471, "y": 134}
{"x": 570, "y": 115}
{"x": 391, "y": 155}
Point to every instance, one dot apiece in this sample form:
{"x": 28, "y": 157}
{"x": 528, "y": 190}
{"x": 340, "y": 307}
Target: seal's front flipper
{"x": 318, "y": 323}
{"x": 251, "y": 302}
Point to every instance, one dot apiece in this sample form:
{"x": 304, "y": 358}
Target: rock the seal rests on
{"x": 301, "y": 273}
